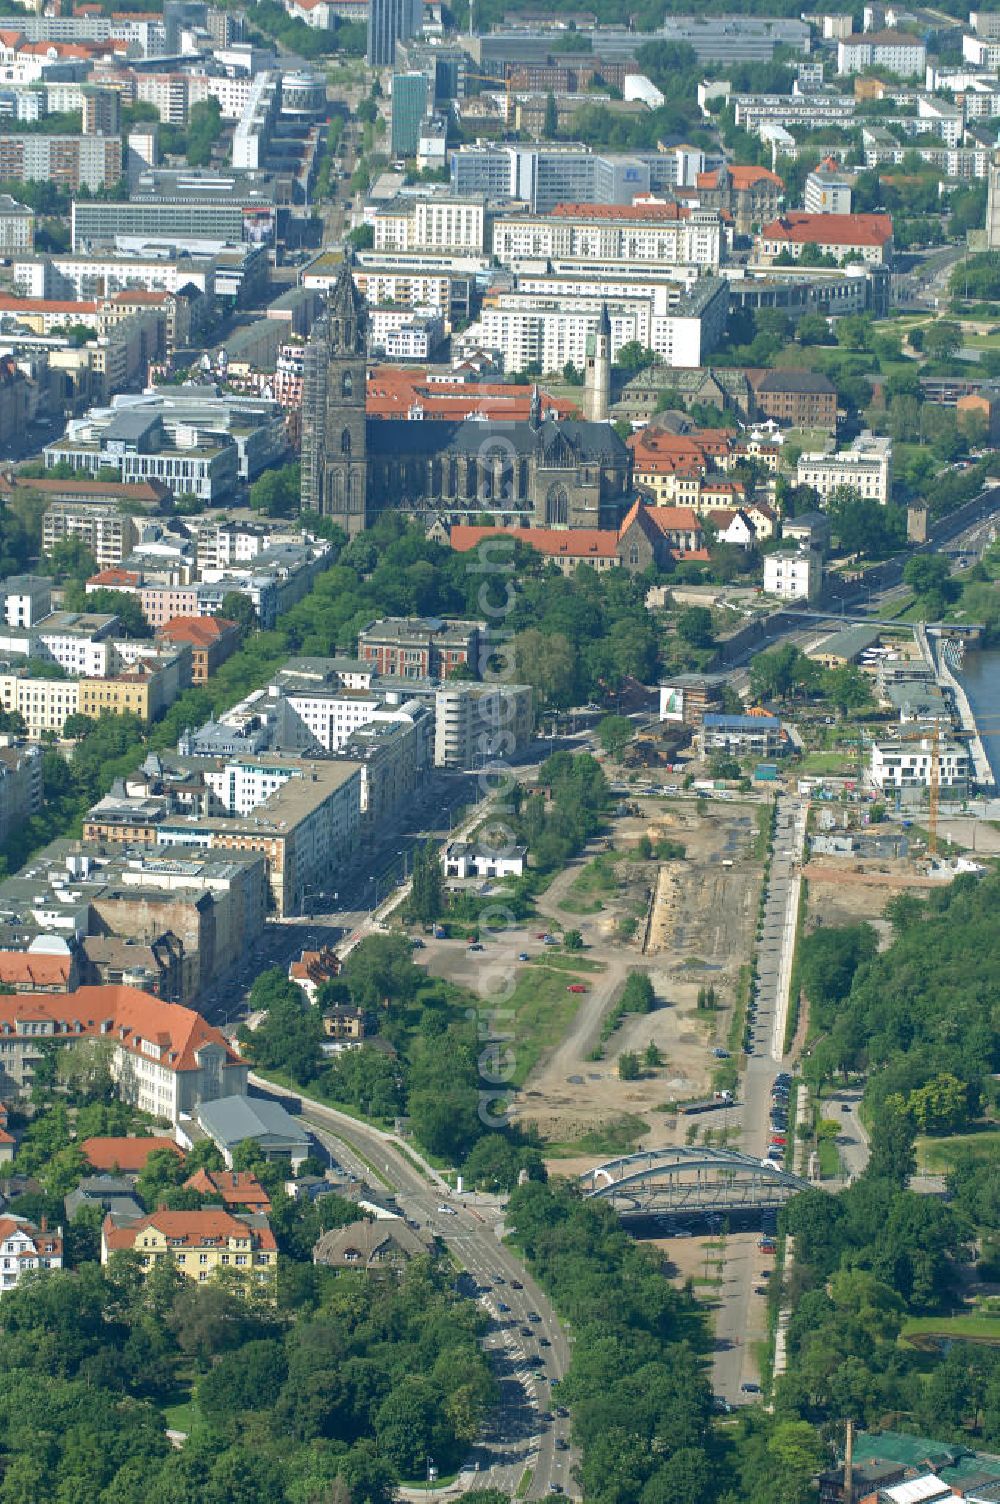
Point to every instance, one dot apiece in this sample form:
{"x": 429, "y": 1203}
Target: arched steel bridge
{"x": 691, "y": 1179}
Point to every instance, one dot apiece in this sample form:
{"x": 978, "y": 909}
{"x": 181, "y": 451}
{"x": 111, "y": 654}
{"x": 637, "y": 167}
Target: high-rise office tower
{"x": 388, "y": 22}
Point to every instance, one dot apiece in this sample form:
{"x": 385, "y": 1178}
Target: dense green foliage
{"x": 640, "y": 1399}
{"x": 920, "y": 1020}
{"x": 436, "y": 1071}
{"x": 349, "y": 1378}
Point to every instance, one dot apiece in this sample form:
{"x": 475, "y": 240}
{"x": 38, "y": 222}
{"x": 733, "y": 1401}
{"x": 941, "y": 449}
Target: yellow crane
{"x": 499, "y": 83}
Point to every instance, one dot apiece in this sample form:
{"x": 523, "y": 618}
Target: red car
{"x": 779, "y": 1140}
{"x": 576, "y": 987}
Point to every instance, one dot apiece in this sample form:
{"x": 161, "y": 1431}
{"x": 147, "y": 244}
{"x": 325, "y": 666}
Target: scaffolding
{"x": 315, "y": 371}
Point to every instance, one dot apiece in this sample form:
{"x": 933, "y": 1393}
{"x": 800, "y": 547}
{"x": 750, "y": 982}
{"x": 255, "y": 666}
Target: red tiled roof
{"x": 392, "y": 392}
{"x": 139, "y": 295}
{"x": 692, "y": 555}
{"x": 555, "y": 543}
{"x": 19, "y": 966}
{"x": 123, "y": 1014}
{"x": 127, "y": 1154}
{"x": 110, "y": 578}
{"x": 11, "y": 1225}
{"x": 236, "y": 1187}
{"x": 189, "y": 1230}
{"x": 740, "y": 177}
{"x": 667, "y": 519}
{"x": 199, "y": 631}
{"x": 830, "y": 229}
{"x": 9, "y": 304}
{"x": 144, "y": 490}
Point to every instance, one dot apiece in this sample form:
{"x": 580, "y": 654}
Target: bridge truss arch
{"x": 689, "y": 1179}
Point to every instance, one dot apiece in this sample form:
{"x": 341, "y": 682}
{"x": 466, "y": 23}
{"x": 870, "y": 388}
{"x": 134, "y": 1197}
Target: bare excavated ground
{"x": 699, "y": 934}
{"x": 849, "y": 890}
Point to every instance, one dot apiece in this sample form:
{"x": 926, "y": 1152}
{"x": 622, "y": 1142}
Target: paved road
{"x": 735, "y": 1363}
{"x": 519, "y": 1435}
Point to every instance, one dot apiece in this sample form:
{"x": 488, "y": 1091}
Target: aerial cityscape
{"x": 499, "y": 741}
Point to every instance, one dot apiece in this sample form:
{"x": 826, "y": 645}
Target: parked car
{"x": 576, "y": 987}
{"x": 749, "y": 1388}
{"x": 477, "y": 946}
{"x": 523, "y": 956}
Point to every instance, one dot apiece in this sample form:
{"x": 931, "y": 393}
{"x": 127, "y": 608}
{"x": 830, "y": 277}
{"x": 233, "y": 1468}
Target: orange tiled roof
{"x": 126, "y": 1154}
{"x": 143, "y": 490}
{"x": 199, "y": 631}
{"x": 667, "y": 519}
{"x": 210, "y": 1228}
{"x": 391, "y": 393}
{"x": 20, "y": 966}
{"x": 11, "y": 1225}
{"x": 236, "y": 1187}
{"x": 830, "y": 229}
{"x": 123, "y": 1014}
{"x": 43, "y": 305}
{"x": 555, "y": 543}
{"x": 139, "y": 295}
{"x": 110, "y": 578}
{"x": 740, "y": 177}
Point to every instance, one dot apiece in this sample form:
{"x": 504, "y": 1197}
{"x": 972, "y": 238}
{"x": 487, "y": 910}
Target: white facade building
{"x": 431, "y": 224}
{"x": 866, "y": 468}
{"x": 897, "y": 51}
{"x": 793, "y": 574}
{"x": 906, "y": 767}
{"x": 25, "y": 1247}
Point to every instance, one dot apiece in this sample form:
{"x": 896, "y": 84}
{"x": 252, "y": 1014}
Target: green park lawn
{"x": 972, "y": 1328}
{"x": 542, "y": 1009}
{"x": 819, "y": 763}
{"x": 935, "y": 1156}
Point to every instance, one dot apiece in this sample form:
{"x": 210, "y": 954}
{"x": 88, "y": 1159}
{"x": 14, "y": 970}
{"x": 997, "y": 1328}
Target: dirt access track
{"x": 699, "y": 934}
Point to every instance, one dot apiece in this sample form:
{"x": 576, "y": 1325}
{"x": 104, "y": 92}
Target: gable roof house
{"x": 165, "y": 1059}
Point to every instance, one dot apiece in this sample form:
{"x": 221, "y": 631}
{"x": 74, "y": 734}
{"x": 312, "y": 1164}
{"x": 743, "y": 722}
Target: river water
{"x": 980, "y": 678}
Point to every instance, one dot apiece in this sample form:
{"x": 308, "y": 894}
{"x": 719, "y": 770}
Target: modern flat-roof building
{"x": 904, "y": 768}
{"x": 303, "y": 814}
{"x": 741, "y": 735}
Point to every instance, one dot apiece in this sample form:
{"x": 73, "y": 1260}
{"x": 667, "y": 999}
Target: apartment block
{"x": 78, "y": 641}
{"x": 71, "y": 162}
{"x": 44, "y": 704}
{"x": 306, "y": 823}
{"x": 475, "y": 724}
{"x": 26, "y": 598}
{"x": 793, "y": 574}
{"x": 905, "y": 768}
{"x": 144, "y": 688}
{"x": 25, "y": 1248}
{"x": 654, "y": 234}
{"x": 211, "y": 641}
{"x": 20, "y": 784}
{"x": 897, "y": 51}
{"x": 103, "y": 528}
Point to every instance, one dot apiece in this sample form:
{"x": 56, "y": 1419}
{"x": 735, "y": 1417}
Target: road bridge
{"x": 690, "y": 1180}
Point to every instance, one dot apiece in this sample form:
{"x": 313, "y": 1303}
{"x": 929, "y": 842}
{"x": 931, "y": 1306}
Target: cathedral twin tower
{"x": 543, "y": 472}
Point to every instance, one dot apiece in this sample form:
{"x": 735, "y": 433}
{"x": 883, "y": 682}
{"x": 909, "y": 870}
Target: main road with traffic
{"x": 529, "y": 1431}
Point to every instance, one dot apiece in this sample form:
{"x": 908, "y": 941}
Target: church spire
{"x": 535, "y": 410}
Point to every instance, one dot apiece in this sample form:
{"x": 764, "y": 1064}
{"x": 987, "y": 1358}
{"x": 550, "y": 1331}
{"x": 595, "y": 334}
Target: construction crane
{"x": 498, "y": 83}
